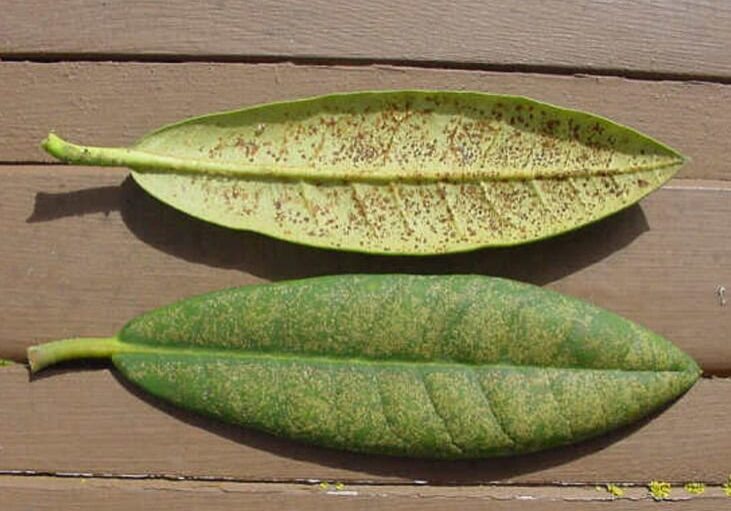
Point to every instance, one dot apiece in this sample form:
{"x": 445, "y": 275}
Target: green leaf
{"x": 426, "y": 366}
{"x": 401, "y": 172}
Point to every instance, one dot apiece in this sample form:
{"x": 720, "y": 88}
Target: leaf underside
{"x": 439, "y": 367}
{"x": 409, "y": 172}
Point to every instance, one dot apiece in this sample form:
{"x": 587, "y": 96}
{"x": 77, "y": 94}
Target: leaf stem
{"x": 143, "y": 161}
{"x": 44, "y": 355}
{"x": 90, "y": 155}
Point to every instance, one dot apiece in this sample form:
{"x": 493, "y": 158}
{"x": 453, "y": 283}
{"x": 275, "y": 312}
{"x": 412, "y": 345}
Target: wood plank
{"x": 85, "y": 250}
{"x": 106, "y": 103}
{"x": 688, "y": 37}
{"x": 89, "y": 421}
{"x": 52, "y": 493}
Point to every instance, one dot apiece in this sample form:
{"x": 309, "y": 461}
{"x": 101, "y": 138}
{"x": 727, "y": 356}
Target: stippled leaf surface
{"x": 409, "y": 172}
{"x": 425, "y": 366}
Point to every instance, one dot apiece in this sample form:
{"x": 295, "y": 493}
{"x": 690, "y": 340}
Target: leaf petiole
{"x": 51, "y": 353}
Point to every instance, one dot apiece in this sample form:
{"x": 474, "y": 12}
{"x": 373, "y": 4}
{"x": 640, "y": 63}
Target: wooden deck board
{"x": 107, "y": 103}
{"x": 90, "y": 421}
{"x": 84, "y": 249}
{"x": 52, "y": 493}
{"x": 82, "y": 255}
{"x": 681, "y": 37}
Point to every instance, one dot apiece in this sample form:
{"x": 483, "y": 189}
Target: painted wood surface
{"x": 84, "y": 249}
{"x": 109, "y": 103}
{"x": 91, "y": 421}
{"x": 667, "y": 37}
{"x": 52, "y": 493}
{"x": 66, "y": 227}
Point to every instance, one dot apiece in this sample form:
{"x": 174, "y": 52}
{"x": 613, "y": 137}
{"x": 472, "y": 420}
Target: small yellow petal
{"x": 659, "y": 490}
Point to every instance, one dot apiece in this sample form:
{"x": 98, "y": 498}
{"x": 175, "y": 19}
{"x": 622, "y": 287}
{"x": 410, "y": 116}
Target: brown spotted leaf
{"x": 440, "y": 366}
{"x": 403, "y": 172}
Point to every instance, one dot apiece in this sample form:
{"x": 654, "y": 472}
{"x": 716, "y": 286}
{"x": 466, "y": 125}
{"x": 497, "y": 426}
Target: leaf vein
{"x": 498, "y": 420}
{"x": 307, "y": 202}
{"x": 506, "y": 215}
{"x": 430, "y": 399}
{"x": 386, "y": 417}
{"x": 560, "y": 411}
{"x": 456, "y": 224}
{"x": 400, "y": 207}
{"x": 361, "y": 208}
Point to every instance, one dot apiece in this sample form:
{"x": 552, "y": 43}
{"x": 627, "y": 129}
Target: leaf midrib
{"x": 143, "y": 161}
{"x": 159, "y": 163}
{"x": 134, "y": 348}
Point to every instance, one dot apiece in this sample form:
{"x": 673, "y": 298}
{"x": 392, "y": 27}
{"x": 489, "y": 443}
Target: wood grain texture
{"x": 102, "y": 103}
{"x": 52, "y": 493}
{"x": 91, "y": 422}
{"x": 688, "y": 37}
{"x": 84, "y": 250}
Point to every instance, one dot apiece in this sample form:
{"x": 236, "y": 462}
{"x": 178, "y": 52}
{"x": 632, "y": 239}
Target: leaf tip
{"x": 682, "y": 159}
{"x": 679, "y": 158}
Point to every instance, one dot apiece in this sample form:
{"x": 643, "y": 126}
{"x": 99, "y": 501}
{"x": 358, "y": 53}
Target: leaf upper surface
{"x": 442, "y": 366}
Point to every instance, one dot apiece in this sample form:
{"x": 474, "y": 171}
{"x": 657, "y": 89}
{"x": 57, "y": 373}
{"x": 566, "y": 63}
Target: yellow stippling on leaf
{"x": 659, "y": 490}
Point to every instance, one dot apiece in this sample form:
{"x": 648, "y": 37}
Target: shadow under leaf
{"x": 502, "y": 469}
{"x": 194, "y": 240}
{"x": 180, "y": 235}
{"x": 366, "y": 466}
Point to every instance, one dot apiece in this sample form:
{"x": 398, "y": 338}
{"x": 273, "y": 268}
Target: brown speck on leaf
{"x": 465, "y": 145}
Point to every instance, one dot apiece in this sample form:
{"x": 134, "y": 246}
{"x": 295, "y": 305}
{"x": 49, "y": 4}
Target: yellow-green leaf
{"x": 399, "y": 172}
